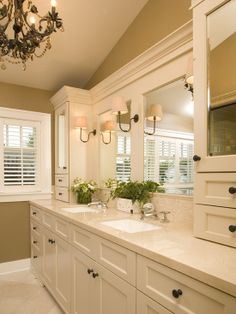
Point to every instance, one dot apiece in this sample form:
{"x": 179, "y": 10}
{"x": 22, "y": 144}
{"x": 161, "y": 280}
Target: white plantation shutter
{"x": 20, "y": 154}
{"x": 168, "y": 159}
{"x": 123, "y": 160}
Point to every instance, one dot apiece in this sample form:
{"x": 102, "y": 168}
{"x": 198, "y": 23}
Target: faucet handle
{"x": 165, "y": 218}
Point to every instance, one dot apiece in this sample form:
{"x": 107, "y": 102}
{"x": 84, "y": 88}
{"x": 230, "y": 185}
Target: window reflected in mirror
{"x": 168, "y": 152}
{"x": 115, "y": 157}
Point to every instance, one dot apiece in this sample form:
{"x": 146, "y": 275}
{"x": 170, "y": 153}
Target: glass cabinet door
{"x": 61, "y": 147}
{"x": 221, "y": 38}
{"x": 215, "y": 86}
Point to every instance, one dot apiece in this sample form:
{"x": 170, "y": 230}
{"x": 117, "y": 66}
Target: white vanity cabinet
{"x": 97, "y": 290}
{"x": 70, "y": 152}
{"x": 179, "y": 293}
{"x": 215, "y": 108}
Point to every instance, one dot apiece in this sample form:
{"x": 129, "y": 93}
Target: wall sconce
{"x": 189, "y": 78}
{"x": 107, "y": 128}
{"x": 154, "y": 113}
{"x": 82, "y": 124}
{"x": 118, "y": 108}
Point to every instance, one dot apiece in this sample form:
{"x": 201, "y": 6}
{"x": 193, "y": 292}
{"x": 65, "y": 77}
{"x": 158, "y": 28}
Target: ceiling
{"x": 92, "y": 28}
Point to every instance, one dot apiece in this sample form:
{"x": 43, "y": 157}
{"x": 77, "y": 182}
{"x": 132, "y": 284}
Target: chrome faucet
{"x": 148, "y": 211}
{"x": 99, "y": 204}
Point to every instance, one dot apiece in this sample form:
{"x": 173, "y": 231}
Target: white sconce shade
{"x": 118, "y": 106}
{"x": 108, "y": 126}
{"x": 154, "y": 112}
{"x": 189, "y": 78}
{"x": 81, "y": 122}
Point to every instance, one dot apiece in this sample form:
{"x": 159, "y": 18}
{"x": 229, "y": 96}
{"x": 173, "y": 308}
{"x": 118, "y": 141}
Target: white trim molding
{"x": 172, "y": 46}
{"x": 71, "y": 94}
{"x": 15, "y": 266}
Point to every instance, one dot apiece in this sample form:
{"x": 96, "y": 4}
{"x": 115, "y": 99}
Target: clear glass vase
{"x": 83, "y": 198}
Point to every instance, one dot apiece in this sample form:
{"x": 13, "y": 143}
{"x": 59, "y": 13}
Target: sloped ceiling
{"x": 92, "y": 28}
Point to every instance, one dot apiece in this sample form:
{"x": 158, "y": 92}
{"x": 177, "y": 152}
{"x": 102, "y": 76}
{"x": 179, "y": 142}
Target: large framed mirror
{"x": 115, "y": 147}
{"x": 169, "y": 141}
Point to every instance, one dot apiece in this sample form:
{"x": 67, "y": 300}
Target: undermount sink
{"x": 130, "y": 226}
{"x": 79, "y": 209}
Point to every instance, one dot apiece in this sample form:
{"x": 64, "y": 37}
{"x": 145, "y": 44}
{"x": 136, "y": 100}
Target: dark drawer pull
{"x": 64, "y": 168}
{"x": 35, "y": 242}
{"x": 177, "y": 293}
{"x": 232, "y": 228}
{"x": 196, "y": 158}
{"x": 34, "y": 213}
{"x": 89, "y": 271}
{"x": 60, "y": 194}
{"x": 95, "y": 275}
{"x": 59, "y": 180}
{"x": 34, "y": 228}
{"x": 232, "y": 190}
{"x": 35, "y": 256}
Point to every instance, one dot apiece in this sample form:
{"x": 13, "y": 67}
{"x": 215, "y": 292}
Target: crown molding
{"x": 175, "y": 44}
{"x": 194, "y": 3}
{"x": 71, "y": 94}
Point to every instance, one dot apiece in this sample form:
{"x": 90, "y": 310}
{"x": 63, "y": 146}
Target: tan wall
{"x": 14, "y": 217}
{"x": 157, "y": 19}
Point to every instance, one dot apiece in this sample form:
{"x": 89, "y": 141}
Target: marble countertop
{"x": 173, "y": 245}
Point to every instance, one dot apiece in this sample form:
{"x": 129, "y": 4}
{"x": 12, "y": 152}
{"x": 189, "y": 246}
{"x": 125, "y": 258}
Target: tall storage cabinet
{"x": 70, "y": 152}
{"x": 215, "y": 120}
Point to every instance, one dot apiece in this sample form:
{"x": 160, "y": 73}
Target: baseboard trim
{"x": 15, "y": 266}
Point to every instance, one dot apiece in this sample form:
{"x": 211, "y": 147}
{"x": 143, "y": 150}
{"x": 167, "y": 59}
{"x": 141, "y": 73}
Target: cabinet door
{"x": 48, "y": 264}
{"x": 61, "y": 139}
{"x": 146, "y": 305}
{"x": 62, "y": 273}
{"x": 83, "y": 286}
{"x": 214, "y": 86}
{"x": 113, "y": 295}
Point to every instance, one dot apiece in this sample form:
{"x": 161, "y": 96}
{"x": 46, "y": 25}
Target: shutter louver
{"x": 123, "y": 160}
{"x": 20, "y": 160}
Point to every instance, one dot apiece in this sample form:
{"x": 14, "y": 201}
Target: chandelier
{"x": 24, "y": 33}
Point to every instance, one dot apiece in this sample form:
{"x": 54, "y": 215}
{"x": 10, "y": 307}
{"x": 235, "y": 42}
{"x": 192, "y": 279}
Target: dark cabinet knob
{"x": 60, "y": 194}
{"x": 35, "y": 242}
{"x": 64, "y": 168}
{"x": 232, "y": 190}
{"x": 89, "y": 271}
{"x": 34, "y": 213}
{"x": 232, "y": 228}
{"x": 53, "y": 241}
{"x": 34, "y": 228}
{"x": 59, "y": 180}
{"x": 95, "y": 275}
{"x": 177, "y": 293}
{"x": 196, "y": 158}
{"x": 35, "y": 256}
{"x": 49, "y": 240}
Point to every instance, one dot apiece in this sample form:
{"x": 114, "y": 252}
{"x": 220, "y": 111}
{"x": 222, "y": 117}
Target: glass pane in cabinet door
{"x": 61, "y": 141}
{"x": 222, "y": 80}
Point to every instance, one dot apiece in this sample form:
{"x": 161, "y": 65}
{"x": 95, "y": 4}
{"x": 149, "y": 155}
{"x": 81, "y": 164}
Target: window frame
{"x": 43, "y": 189}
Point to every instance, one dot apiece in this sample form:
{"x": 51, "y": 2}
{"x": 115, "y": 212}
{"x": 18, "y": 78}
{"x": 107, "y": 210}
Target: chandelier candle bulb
{"x": 32, "y": 20}
{"x": 53, "y": 3}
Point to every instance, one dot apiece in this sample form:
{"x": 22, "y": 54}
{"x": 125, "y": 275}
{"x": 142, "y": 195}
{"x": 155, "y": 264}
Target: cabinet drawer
{"x": 83, "y": 240}
{"x": 146, "y": 305}
{"x": 162, "y": 283}
{"x": 213, "y": 189}
{"x": 62, "y": 180}
{"x": 62, "y": 228}
{"x": 36, "y": 240}
{"x": 35, "y": 228}
{"x": 62, "y": 194}
{"x": 48, "y": 221}
{"x": 36, "y": 260}
{"x": 212, "y": 223}
{"x": 35, "y": 213}
{"x": 119, "y": 260}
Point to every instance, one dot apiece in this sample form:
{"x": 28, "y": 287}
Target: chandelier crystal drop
{"x": 24, "y": 33}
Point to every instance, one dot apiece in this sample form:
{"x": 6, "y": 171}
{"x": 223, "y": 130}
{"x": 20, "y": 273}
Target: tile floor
{"x": 21, "y": 293}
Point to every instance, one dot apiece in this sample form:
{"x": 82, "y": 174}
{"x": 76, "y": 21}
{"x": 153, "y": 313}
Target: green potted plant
{"x": 83, "y": 190}
{"x": 134, "y": 191}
